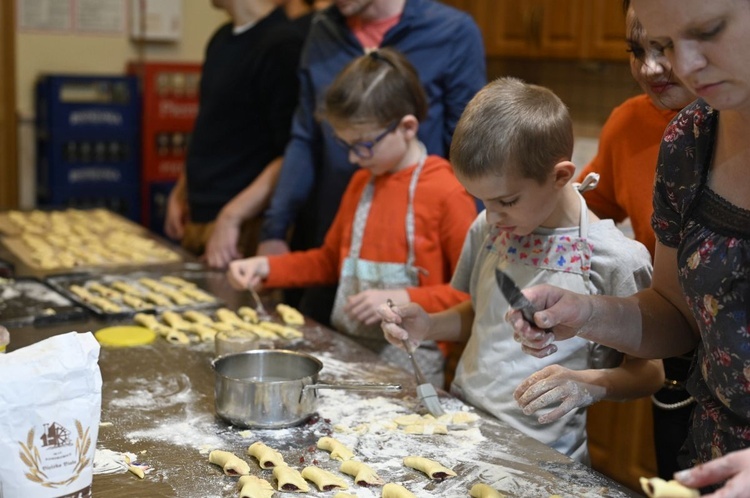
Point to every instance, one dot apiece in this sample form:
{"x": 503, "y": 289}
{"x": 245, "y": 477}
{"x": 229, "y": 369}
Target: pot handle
{"x": 356, "y": 387}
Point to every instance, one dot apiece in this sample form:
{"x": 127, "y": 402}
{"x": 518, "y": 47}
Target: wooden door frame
{"x": 9, "y": 186}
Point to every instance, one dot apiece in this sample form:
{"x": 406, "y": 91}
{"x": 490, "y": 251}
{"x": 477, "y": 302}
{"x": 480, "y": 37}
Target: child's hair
{"x": 380, "y": 87}
{"x": 512, "y": 127}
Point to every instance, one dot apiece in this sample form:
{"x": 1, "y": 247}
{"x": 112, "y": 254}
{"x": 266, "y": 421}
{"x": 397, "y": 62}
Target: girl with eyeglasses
{"x": 401, "y": 223}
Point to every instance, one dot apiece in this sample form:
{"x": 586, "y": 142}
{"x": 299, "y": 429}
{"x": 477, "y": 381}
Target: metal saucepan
{"x": 272, "y": 388}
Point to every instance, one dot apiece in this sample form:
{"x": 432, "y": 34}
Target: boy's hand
{"x": 363, "y": 307}
{"x": 563, "y": 312}
{"x": 248, "y": 273}
{"x": 221, "y": 248}
{"x": 404, "y": 323}
{"x": 555, "y": 385}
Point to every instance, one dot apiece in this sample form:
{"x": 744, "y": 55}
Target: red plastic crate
{"x": 170, "y": 105}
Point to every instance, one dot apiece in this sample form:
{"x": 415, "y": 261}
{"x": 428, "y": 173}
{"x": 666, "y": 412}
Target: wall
{"x": 39, "y": 52}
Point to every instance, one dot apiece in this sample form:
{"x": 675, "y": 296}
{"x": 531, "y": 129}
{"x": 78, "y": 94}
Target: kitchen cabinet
{"x": 559, "y": 29}
{"x": 621, "y": 440}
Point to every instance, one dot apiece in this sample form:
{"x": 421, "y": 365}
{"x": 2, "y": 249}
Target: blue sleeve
{"x": 467, "y": 73}
{"x": 297, "y": 175}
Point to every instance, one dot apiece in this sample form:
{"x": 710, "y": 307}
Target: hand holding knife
{"x": 515, "y": 297}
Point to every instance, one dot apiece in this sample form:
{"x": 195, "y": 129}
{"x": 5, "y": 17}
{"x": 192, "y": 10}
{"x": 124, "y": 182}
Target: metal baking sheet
{"x": 201, "y": 279}
{"x": 29, "y": 301}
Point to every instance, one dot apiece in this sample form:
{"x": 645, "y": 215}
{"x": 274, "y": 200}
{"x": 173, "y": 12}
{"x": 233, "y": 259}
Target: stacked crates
{"x": 170, "y": 106}
{"x": 87, "y": 141}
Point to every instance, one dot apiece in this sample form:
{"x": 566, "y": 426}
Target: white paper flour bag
{"x": 50, "y": 404}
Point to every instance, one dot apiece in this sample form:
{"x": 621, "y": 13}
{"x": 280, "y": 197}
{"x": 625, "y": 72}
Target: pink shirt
{"x": 371, "y": 33}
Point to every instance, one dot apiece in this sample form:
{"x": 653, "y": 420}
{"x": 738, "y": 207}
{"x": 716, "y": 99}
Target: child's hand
{"x": 363, "y": 307}
{"x": 248, "y": 273}
{"x": 409, "y": 322}
{"x": 552, "y": 385}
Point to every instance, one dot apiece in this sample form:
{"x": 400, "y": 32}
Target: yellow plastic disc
{"x": 125, "y": 336}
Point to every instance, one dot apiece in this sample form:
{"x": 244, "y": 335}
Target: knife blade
{"x": 515, "y": 297}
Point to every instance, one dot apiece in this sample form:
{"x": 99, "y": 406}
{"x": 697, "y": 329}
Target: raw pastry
{"x": 338, "y": 450}
{"x": 289, "y": 479}
{"x": 248, "y": 314}
{"x": 344, "y": 495}
{"x": 229, "y": 462}
{"x": 324, "y": 480}
{"x": 135, "y": 302}
{"x": 430, "y": 467}
{"x": 659, "y": 488}
{"x": 362, "y": 473}
{"x": 198, "y": 317}
{"x": 176, "y": 281}
{"x": 197, "y": 294}
{"x": 290, "y": 315}
{"x": 282, "y": 330}
{"x": 426, "y": 429}
{"x": 205, "y": 332}
{"x": 391, "y": 490}
{"x": 267, "y": 457}
{"x": 484, "y": 491}
{"x": 254, "y": 487}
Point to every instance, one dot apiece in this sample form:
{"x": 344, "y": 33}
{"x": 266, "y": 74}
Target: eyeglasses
{"x": 363, "y": 150}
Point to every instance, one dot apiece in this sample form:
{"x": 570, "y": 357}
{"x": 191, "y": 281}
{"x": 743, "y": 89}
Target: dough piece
{"x": 231, "y": 320}
{"x": 205, "y": 332}
{"x": 290, "y": 315}
{"x": 659, "y": 488}
{"x": 362, "y": 473}
{"x": 176, "y": 281}
{"x": 248, "y": 314}
{"x": 198, "y": 317}
{"x": 411, "y": 419}
{"x": 289, "y": 479}
{"x": 267, "y": 457}
{"x": 176, "y": 321}
{"x": 157, "y": 299}
{"x": 464, "y": 418}
{"x": 136, "y": 302}
{"x": 433, "y": 469}
{"x": 177, "y": 337}
{"x": 324, "y": 480}
{"x": 105, "y": 291}
{"x": 150, "y": 322}
{"x": 229, "y": 462}
{"x": 126, "y": 288}
{"x": 484, "y": 491}
{"x": 344, "y": 495}
{"x": 426, "y": 429}
{"x": 392, "y": 490}
{"x": 197, "y": 294}
{"x": 338, "y": 450}
{"x": 281, "y": 330}
{"x": 255, "y": 487}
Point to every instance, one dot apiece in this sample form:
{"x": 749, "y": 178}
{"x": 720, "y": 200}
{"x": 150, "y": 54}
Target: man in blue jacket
{"x": 445, "y": 46}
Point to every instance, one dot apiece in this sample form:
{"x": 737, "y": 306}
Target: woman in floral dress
{"x": 700, "y": 296}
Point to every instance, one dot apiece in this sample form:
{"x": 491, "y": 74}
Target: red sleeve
{"x": 458, "y": 211}
{"x": 603, "y": 199}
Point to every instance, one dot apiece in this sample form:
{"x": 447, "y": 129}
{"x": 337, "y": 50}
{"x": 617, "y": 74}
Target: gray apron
{"x": 359, "y": 274}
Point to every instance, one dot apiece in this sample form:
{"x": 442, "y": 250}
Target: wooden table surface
{"x": 158, "y": 403}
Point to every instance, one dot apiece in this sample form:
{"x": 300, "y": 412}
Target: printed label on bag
{"x": 55, "y": 455}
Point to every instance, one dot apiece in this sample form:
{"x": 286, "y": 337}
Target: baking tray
{"x": 63, "y": 283}
{"x": 77, "y": 240}
{"x": 29, "y": 301}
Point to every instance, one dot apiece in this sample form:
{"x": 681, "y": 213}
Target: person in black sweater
{"x": 248, "y": 94}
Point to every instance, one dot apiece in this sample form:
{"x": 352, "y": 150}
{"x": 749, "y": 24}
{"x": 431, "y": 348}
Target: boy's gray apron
{"x": 358, "y": 275}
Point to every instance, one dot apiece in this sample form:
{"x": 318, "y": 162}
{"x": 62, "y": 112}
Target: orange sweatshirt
{"x": 626, "y": 160}
{"x": 443, "y": 212}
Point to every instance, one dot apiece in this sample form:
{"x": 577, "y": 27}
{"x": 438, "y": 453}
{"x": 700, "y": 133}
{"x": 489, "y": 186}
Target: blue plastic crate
{"x": 71, "y": 103}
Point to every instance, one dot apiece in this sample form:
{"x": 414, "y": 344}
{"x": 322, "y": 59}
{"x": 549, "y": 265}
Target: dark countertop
{"x": 158, "y": 403}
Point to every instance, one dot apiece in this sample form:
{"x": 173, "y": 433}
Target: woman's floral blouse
{"x": 712, "y": 238}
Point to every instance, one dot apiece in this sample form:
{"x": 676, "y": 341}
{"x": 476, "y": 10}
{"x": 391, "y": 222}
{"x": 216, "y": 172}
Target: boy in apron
{"x": 400, "y": 227}
{"x": 512, "y": 149}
